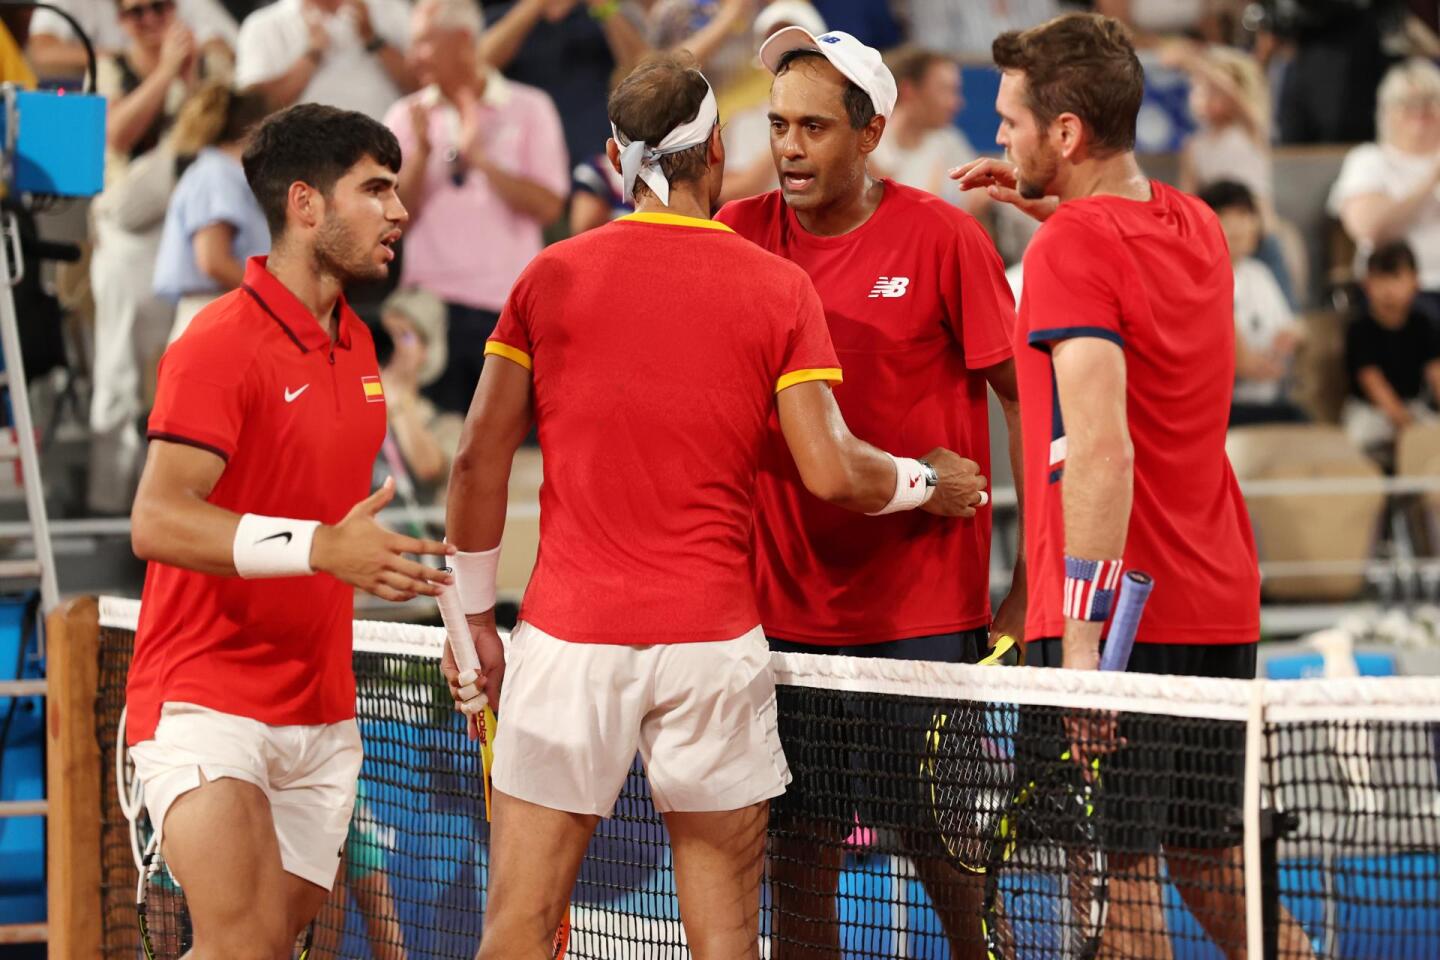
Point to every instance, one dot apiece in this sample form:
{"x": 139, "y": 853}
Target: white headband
{"x": 639, "y": 159}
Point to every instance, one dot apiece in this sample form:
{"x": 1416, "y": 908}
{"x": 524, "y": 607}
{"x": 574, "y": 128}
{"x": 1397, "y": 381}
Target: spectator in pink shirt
{"x": 485, "y": 171}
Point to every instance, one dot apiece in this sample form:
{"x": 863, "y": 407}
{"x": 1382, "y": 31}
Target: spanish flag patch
{"x": 374, "y": 393}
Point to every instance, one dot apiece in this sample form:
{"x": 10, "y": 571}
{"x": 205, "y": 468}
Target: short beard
{"x": 1034, "y": 188}
{"x": 340, "y": 255}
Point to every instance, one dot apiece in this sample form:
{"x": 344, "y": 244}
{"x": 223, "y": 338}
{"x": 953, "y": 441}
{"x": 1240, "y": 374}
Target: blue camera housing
{"x": 54, "y": 142}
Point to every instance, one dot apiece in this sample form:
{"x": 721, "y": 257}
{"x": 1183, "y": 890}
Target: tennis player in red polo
{"x": 253, "y": 512}
{"x": 653, "y": 354}
{"x": 921, "y": 315}
{"x": 1125, "y": 349}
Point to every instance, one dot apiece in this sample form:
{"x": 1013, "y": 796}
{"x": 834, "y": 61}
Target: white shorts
{"x": 702, "y": 716}
{"x": 307, "y": 772}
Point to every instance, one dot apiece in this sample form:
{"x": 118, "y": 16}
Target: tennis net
{"x": 933, "y": 814}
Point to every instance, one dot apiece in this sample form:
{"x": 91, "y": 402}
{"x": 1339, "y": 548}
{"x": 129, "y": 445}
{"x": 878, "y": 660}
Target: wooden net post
{"x": 73, "y": 779}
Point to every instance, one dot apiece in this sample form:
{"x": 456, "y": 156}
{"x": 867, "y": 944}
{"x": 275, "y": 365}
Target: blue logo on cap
{"x": 828, "y": 38}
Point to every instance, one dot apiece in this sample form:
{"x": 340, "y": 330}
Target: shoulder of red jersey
{"x": 222, "y": 334}
{"x": 750, "y": 215}
{"x": 924, "y": 209}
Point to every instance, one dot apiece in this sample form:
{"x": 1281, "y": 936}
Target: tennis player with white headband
{"x": 653, "y": 353}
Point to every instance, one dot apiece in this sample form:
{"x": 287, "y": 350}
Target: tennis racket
{"x": 968, "y": 773}
{"x": 462, "y": 647}
{"x": 1045, "y": 876}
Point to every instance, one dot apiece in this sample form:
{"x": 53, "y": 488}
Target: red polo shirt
{"x": 917, "y": 304}
{"x": 298, "y": 420}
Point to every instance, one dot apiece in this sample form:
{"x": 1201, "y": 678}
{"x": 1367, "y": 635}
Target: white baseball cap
{"x": 861, "y": 64}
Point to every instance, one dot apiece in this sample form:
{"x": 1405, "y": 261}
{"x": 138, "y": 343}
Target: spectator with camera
{"x": 482, "y": 152}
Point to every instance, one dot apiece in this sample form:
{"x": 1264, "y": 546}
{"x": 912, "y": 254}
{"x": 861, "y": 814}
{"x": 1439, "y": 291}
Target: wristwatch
{"x": 932, "y": 479}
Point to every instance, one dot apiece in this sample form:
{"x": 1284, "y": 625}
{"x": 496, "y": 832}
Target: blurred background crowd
{"x": 1312, "y": 127}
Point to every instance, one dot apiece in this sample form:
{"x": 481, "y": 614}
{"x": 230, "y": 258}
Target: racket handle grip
{"x": 457, "y": 630}
{"x": 1135, "y": 589}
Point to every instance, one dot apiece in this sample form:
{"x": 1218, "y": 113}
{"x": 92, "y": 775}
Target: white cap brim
{"x": 783, "y": 41}
{"x": 880, "y": 86}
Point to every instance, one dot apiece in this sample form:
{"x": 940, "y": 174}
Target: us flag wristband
{"x": 1090, "y": 588}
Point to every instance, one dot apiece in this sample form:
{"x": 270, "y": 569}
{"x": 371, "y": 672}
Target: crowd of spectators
{"x": 500, "y": 108}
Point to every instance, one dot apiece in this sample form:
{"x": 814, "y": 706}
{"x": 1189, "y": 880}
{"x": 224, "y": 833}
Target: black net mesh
{"x": 915, "y": 827}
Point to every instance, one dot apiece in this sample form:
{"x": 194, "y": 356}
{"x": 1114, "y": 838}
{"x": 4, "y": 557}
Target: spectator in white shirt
{"x": 1390, "y": 190}
{"x": 1266, "y": 333}
{"x": 56, "y": 52}
{"x": 921, "y": 142}
{"x": 342, "y": 53}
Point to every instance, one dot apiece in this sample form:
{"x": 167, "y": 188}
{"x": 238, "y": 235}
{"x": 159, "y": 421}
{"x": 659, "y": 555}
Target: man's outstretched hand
{"x": 359, "y": 551}
{"x": 997, "y": 178}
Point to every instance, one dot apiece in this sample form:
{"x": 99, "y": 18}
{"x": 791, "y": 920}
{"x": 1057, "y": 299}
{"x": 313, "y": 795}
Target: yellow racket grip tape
{"x": 487, "y": 753}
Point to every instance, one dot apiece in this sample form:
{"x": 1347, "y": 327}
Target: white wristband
{"x": 911, "y": 488}
{"x": 273, "y": 546}
{"x": 475, "y": 579}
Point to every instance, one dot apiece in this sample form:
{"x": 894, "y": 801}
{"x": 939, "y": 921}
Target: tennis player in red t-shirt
{"x": 652, "y": 354}
{"x": 1125, "y": 349}
{"x": 254, "y": 516}
{"x": 918, "y": 307}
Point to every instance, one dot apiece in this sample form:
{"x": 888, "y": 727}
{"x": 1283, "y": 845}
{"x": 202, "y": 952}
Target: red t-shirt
{"x": 1154, "y": 277}
{"x": 298, "y": 422}
{"x": 657, "y": 344}
{"x": 916, "y": 301}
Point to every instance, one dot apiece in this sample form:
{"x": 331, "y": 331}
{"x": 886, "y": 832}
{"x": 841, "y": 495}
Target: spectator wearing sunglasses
{"x": 485, "y": 172}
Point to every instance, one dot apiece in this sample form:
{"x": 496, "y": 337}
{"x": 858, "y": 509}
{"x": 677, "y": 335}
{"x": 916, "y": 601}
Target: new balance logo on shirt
{"x": 890, "y": 287}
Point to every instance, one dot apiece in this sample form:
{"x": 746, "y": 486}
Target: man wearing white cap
{"x": 651, "y": 353}
{"x": 917, "y": 305}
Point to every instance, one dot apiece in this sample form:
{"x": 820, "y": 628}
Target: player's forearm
{"x": 184, "y": 531}
{"x": 1098, "y": 489}
{"x": 476, "y": 501}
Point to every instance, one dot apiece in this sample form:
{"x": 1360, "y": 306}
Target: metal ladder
{"x": 42, "y": 567}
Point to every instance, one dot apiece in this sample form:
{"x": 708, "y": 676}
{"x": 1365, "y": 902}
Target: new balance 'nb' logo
{"x": 890, "y": 287}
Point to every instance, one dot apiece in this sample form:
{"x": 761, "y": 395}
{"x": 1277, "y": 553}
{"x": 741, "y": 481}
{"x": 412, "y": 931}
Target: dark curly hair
{"x": 311, "y": 144}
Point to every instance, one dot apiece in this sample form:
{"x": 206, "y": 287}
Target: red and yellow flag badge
{"x": 374, "y": 393}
